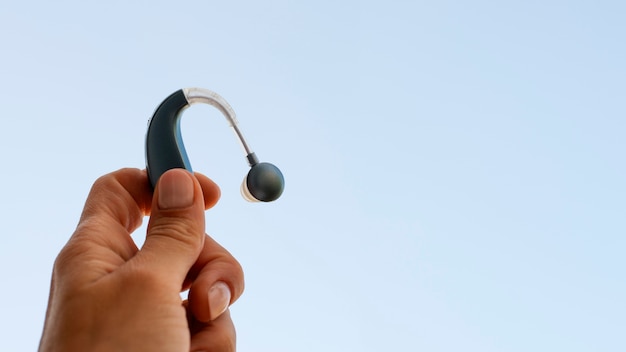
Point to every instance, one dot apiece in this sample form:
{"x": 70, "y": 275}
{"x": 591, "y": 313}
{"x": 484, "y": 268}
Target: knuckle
{"x": 112, "y": 181}
{"x": 105, "y": 181}
{"x": 176, "y": 231}
{"x": 113, "y": 177}
{"x": 237, "y": 272}
{"x": 66, "y": 259}
{"x": 237, "y": 279}
{"x": 234, "y": 266}
{"x": 173, "y": 237}
{"x": 229, "y": 269}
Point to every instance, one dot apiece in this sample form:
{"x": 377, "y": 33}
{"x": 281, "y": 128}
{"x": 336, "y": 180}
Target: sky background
{"x": 454, "y": 169}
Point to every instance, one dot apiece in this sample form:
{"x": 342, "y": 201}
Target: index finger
{"x": 122, "y": 197}
{"x": 115, "y": 207}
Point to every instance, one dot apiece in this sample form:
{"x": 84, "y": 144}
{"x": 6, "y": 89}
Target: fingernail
{"x": 175, "y": 190}
{"x": 219, "y": 299}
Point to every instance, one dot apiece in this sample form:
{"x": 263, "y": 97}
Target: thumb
{"x": 175, "y": 234}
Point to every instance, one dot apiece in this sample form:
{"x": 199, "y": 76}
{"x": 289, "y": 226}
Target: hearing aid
{"x": 165, "y": 149}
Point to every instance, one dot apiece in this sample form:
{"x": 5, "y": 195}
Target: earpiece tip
{"x": 245, "y": 192}
{"x": 264, "y": 183}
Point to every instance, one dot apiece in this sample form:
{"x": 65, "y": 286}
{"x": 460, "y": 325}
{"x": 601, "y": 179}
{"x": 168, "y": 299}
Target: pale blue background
{"x": 455, "y": 169}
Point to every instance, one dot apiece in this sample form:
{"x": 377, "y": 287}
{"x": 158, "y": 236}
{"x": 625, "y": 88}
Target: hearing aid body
{"x": 165, "y": 149}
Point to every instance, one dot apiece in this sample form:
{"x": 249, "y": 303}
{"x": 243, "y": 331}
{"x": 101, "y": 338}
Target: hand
{"x": 107, "y": 295}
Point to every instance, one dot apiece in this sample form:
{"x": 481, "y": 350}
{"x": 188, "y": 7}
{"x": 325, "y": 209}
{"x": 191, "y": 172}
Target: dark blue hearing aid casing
{"x": 164, "y": 144}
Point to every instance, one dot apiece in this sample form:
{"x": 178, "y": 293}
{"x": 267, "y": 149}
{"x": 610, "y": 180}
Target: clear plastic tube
{"x": 201, "y": 95}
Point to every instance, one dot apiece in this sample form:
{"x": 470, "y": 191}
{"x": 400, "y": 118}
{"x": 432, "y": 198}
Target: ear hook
{"x": 165, "y": 149}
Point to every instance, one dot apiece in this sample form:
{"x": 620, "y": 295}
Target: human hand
{"x": 107, "y": 295}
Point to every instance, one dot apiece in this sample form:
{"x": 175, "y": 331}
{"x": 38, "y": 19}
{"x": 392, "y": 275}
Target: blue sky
{"x": 454, "y": 169}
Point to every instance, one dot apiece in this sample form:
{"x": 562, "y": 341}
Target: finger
{"x": 218, "y": 335}
{"x": 210, "y": 190}
{"x": 114, "y": 208}
{"x": 218, "y": 284}
{"x": 176, "y": 229}
{"x": 120, "y": 198}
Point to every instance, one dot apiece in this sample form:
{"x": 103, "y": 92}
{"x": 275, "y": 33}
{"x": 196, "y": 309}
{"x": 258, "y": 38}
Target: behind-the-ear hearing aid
{"x": 165, "y": 149}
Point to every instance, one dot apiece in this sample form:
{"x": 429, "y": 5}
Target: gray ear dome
{"x": 264, "y": 183}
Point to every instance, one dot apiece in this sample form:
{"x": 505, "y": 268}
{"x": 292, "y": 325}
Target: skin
{"x": 108, "y": 295}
